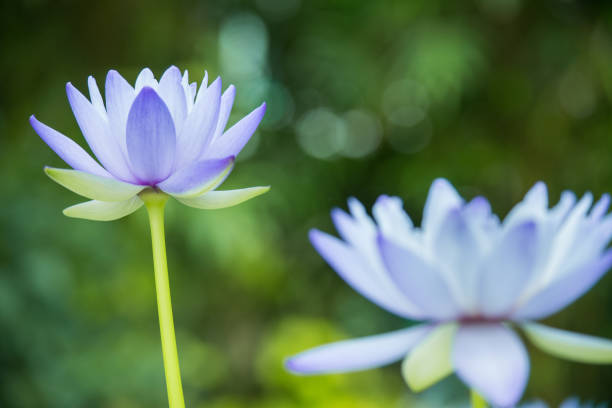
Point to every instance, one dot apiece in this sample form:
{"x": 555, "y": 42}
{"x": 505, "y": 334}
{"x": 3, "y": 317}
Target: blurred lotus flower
{"x": 468, "y": 275}
{"x": 568, "y": 403}
{"x": 165, "y": 136}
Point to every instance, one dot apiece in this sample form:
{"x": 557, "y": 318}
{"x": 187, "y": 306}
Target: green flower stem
{"x": 477, "y": 400}
{"x": 155, "y": 203}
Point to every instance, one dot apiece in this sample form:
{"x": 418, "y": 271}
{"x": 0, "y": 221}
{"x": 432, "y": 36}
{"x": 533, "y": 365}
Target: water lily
{"x": 163, "y": 136}
{"x": 471, "y": 278}
{"x": 572, "y": 402}
{"x": 153, "y": 141}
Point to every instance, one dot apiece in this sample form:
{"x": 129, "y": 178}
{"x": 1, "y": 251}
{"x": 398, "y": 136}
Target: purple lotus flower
{"x": 165, "y": 136}
{"x": 573, "y": 402}
{"x": 468, "y": 276}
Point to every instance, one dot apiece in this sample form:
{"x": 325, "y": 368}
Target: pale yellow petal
{"x": 221, "y": 199}
{"x": 93, "y": 186}
{"x": 571, "y": 346}
{"x": 430, "y": 361}
{"x": 104, "y": 210}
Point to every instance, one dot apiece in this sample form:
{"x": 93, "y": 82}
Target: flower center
{"x": 476, "y": 319}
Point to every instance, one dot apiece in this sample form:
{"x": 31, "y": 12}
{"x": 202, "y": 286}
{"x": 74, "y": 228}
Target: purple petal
{"x": 197, "y": 177}
{"x": 442, "y": 198}
{"x": 564, "y": 291}
{"x": 189, "y": 95}
{"x": 233, "y": 140}
{"x": 67, "y": 149}
{"x": 565, "y": 238}
{"x": 391, "y": 217}
{"x": 459, "y": 251}
{"x": 95, "y": 96}
{"x": 119, "y": 98}
{"x": 534, "y": 205}
{"x": 203, "y": 87}
{"x": 150, "y": 137}
{"x": 600, "y": 208}
{"x": 355, "y": 270}
{"x": 145, "y": 78}
{"x": 199, "y": 126}
{"x": 227, "y": 101}
{"x": 563, "y": 207}
{"x": 356, "y": 232}
{"x": 593, "y": 239}
{"x": 479, "y": 207}
{"x": 418, "y": 280}
{"x": 193, "y": 88}
{"x": 171, "y": 91}
{"x": 507, "y": 269}
{"x": 98, "y": 134}
{"x": 491, "y": 359}
{"x": 358, "y": 354}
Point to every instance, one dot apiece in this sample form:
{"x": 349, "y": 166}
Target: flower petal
{"x": 491, "y": 359}
{"x": 200, "y": 125}
{"x": 533, "y": 206}
{"x": 227, "y": 101}
{"x": 92, "y": 186}
{"x": 171, "y": 91}
{"x": 355, "y": 270}
{"x": 203, "y": 86}
{"x": 360, "y": 232}
{"x": 442, "y": 198}
{"x": 145, "y": 78}
{"x": 571, "y": 346}
{"x": 104, "y": 210}
{"x": 197, "y": 178}
{"x": 430, "y": 361}
{"x": 507, "y": 269}
{"x": 187, "y": 91}
{"x": 358, "y": 228}
{"x": 458, "y": 250}
{"x": 600, "y": 208}
{"x": 479, "y": 208}
{"x": 565, "y": 239}
{"x": 233, "y": 140}
{"x": 392, "y": 220}
{"x": 67, "y": 149}
{"x": 418, "y": 280}
{"x": 96, "y": 131}
{"x": 95, "y": 96}
{"x": 565, "y": 290}
{"x": 358, "y": 354}
{"x": 214, "y": 200}
{"x": 150, "y": 137}
{"x": 119, "y": 98}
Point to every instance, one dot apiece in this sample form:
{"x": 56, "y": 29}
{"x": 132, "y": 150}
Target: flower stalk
{"x": 155, "y": 203}
{"x": 477, "y": 400}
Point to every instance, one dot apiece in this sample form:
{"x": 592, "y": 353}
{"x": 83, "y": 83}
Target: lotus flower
{"x": 470, "y": 278}
{"x": 167, "y": 136}
{"x": 567, "y": 403}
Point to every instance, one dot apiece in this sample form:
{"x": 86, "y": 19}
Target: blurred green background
{"x": 364, "y": 98}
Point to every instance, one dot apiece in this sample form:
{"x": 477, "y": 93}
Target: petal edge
{"x": 430, "y": 361}
{"x": 570, "y": 346}
{"x": 103, "y": 210}
{"x": 357, "y": 354}
{"x": 214, "y": 200}
{"x": 93, "y": 186}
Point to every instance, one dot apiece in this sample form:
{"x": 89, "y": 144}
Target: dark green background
{"x": 492, "y": 94}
